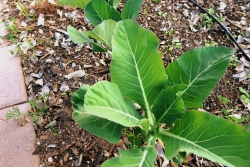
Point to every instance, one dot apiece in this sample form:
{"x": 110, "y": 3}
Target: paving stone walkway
{"x": 17, "y": 143}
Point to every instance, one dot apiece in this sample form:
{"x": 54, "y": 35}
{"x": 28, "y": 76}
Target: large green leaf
{"x": 168, "y": 106}
{"x": 114, "y": 3}
{"x": 98, "y": 10}
{"x": 131, "y": 9}
{"x": 100, "y": 127}
{"x": 200, "y": 69}
{"x": 78, "y": 3}
{"x": 143, "y": 157}
{"x": 80, "y": 37}
{"x": 136, "y": 65}
{"x": 209, "y": 136}
{"x": 103, "y": 32}
{"x": 105, "y": 100}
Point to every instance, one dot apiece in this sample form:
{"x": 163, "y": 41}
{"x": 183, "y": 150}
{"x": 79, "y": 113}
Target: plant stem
{"x": 151, "y": 141}
{"x": 223, "y": 27}
{"x": 149, "y": 117}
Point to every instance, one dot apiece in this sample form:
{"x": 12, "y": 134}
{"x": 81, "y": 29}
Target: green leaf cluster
{"x": 167, "y": 96}
{"x": 208, "y": 21}
{"x": 99, "y": 10}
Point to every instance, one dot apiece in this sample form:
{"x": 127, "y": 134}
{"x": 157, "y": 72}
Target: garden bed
{"x": 50, "y": 55}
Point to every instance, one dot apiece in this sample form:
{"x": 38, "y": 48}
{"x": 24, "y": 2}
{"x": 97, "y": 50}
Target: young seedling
{"x": 160, "y": 13}
{"x": 224, "y": 100}
{"x": 23, "y": 10}
{"x": 246, "y": 126}
{"x": 171, "y": 32}
{"x": 245, "y": 96}
{"x": 14, "y": 113}
{"x": 175, "y": 18}
{"x": 212, "y": 43}
{"x": 174, "y": 45}
{"x": 234, "y": 62}
{"x": 207, "y": 21}
{"x": 12, "y": 30}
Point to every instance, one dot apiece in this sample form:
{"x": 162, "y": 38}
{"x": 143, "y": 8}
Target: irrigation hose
{"x": 223, "y": 27}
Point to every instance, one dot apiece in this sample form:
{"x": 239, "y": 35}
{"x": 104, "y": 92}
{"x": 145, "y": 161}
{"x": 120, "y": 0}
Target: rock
{"x": 21, "y": 120}
{"x": 50, "y": 159}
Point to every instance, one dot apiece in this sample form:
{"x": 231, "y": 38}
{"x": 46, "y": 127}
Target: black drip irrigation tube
{"x": 223, "y": 27}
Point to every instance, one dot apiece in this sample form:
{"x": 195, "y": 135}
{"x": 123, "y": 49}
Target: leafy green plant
{"x": 208, "y": 21}
{"x": 234, "y": 62}
{"x": 12, "y": 30}
{"x": 38, "y": 110}
{"x": 24, "y": 11}
{"x": 168, "y": 97}
{"x": 14, "y": 113}
{"x": 171, "y": 32}
{"x": 224, "y": 100}
{"x": 245, "y": 96}
{"x": 212, "y": 43}
{"x": 174, "y": 45}
{"x": 175, "y": 18}
{"x": 98, "y": 11}
{"x": 160, "y": 13}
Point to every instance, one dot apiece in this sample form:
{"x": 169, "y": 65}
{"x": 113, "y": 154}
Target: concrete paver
{"x": 3, "y": 31}
{"x": 12, "y": 87}
{"x": 17, "y": 143}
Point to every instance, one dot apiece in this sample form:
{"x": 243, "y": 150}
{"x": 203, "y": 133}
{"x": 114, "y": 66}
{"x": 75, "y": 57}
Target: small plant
{"x": 44, "y": 97}
{"x": 38, "y": 111}
{"x": 234, "y": 62}
{"x": 207, "y": 21}
{"x": 175, "y": 18}
{"x": 98, "y": 11}
{"x": 160, "y": 13}
{"x": 174, "y": 45}
{"x": 245, "y": 96}
{"x": 224, "y": 100}
{"x": 212, "y": 43}
{"x": 171, "y": 32}
{"x": 14, "y": 113}
{"x": 23, "y": 10}
{"x": 12, "y": 30}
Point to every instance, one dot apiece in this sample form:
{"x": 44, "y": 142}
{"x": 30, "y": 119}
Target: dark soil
{"x": 60, "y": 141}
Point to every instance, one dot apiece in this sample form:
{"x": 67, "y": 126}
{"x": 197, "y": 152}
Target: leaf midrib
{"x": 196, "y": 78}
{"x": 138, "y": 73}
{"x": 166, "y": 133}
{"x": 116, "y": 111}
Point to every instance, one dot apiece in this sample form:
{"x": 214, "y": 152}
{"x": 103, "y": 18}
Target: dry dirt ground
{"x": 49, "y": 55}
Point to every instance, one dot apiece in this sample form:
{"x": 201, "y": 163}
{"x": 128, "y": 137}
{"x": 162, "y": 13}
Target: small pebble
{"x": 49, "y": 61}
{"x": 50, "y": 159}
